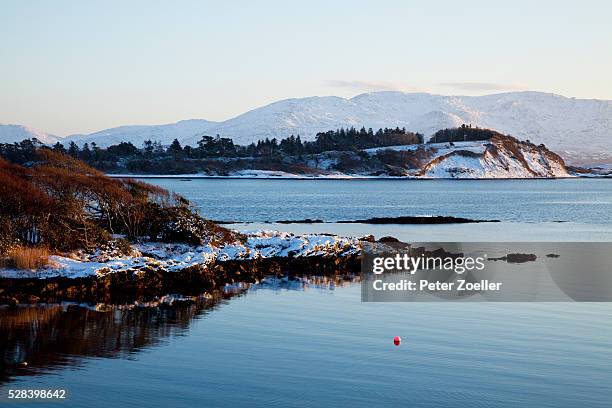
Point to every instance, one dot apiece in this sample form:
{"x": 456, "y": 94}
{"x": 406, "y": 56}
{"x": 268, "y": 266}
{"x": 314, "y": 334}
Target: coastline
{"x": 339, "y": 177}
{"x": 138, "y": 285}
{"x": 156, "y": 269}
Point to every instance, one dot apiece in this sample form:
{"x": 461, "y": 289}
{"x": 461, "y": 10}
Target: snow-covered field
{"x": 175, "y": 257}
{"x": 253, "y": 174}
{"x": 441, "y": 148}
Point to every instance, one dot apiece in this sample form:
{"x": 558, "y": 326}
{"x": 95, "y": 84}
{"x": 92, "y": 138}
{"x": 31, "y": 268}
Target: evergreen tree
{"x": 58, "y": 147}
{"x": 73, "y": 150}
{"x": 85, "y": 153}
{"x": 175, "y": 148}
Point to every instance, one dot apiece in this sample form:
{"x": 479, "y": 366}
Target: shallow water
{"x": 321, "y": 346}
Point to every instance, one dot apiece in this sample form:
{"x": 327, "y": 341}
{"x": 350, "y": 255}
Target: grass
{"x": 26, "y": 258}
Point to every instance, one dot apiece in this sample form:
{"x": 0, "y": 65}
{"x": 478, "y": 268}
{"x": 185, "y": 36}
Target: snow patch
{"x": 176, "y": 257}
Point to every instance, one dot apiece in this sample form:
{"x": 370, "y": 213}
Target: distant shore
{"x": 331, "y": 177}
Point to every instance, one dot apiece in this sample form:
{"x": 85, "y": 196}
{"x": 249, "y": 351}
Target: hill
{"x": 17, "y": 133}
{"x": 576, "y": 128}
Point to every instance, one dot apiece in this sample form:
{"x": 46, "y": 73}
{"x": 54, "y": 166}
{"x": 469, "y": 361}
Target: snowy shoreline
{"x": 175, "y": 257}
{"x": 290, "y": 176}
{"x": 501, "y": 157}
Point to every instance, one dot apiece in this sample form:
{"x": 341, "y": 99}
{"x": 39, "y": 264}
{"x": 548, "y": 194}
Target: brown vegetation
{"x": 64, "y": 204}
{"x": 26, "y": 257}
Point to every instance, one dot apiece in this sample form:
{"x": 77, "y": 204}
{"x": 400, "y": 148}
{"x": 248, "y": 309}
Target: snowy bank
{"x": 176, "y": 257}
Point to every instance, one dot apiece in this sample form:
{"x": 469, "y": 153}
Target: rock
{"x": 415, "y": 220}
{"x": 304, "y": 221}
{"x": 148, "y": 284}
{"x": 388, "y": 239}
{"x": 516, "y": 258}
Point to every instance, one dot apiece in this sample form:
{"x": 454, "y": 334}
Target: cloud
{"x": 481, "y": 86}
{"x": 370, "y": 86}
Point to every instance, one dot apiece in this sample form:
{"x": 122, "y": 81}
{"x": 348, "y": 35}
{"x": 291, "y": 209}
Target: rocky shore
{"x": 155, "y": 269}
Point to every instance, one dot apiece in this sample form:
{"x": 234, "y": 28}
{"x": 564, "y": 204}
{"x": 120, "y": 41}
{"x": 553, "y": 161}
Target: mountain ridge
{"x": 571, "y": 126}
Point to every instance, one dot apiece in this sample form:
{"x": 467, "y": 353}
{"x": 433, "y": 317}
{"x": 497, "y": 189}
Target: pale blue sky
{"x": 80, "y": 66}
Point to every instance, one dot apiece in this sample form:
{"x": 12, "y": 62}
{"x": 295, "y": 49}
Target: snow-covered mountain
{"x": 137, "y": 134}
{"x": 17, "y": 133}
{"x": 571, "y": 126}
{"x": 563, "y": 124}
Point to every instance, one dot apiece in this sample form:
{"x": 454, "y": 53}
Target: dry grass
{"x": 26, "y": 258}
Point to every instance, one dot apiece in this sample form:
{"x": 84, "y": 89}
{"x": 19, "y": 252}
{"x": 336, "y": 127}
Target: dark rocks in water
{"x": 304, "y": 221}
{"x": 231, "y": 222}
{"x": 388, "y": 239}
{"x": 146, "y": 284}
{"x": 368, "y": 238}
{"x": 438, "y": 219}
{"x": 516, "y": 258}
{"x": 415, "y": 220}
{"x": 553, "y": 255}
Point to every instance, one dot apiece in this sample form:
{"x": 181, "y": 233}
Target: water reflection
{"x": 37, "y": 339}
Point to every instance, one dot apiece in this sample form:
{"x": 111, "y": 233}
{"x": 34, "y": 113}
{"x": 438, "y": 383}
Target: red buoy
{"x": 397, "y": 340}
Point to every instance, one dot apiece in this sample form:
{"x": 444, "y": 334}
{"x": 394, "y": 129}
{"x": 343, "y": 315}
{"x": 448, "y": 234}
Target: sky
{"x": 80, "y": 66}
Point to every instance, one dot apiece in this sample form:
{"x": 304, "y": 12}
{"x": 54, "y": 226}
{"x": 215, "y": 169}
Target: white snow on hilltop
{"x": 138, "y": 134}
{"x": 17, "y": 133}
{"x": 568, "y": 125}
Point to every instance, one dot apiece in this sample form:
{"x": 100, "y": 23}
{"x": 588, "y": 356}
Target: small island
{"x": 464, "y": 152}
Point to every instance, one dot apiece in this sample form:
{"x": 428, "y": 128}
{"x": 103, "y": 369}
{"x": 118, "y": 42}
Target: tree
{"x": 175, "y": 148}
{"x": 58, "y": 147}
{"x": 85, "y": 153}
{"x": 73, "y": 150}
{"x": 148, "y": 148}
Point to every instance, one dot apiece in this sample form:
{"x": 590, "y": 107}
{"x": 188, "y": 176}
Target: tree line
{"x": 220, "y": 147}
{"x": 464, "y": 133}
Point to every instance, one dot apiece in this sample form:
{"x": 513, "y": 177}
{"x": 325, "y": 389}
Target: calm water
{"x": 530, "y": 210}
{"x": 582, "y": 200}
{"x": 320, "y": 346}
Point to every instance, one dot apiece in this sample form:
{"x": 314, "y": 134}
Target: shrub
{"x": 64, "y": 204}
{"x": 7, "y": 235}
{"x": 21, "y": 257}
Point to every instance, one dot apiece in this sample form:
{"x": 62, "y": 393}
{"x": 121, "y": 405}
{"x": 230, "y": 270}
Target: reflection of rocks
{"x": 516, "y": 258}
{"x": 56, "y": 335}
{"x": 147, "y": 283}
{"x": 46, "y": 336}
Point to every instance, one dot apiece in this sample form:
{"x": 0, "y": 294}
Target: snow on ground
{"x": 271, "y": 174}
{"x": 457, "y": 166}
{"x": 249, "y": 174}
{"x": 446, "y": 160}
{"x": 485, "y": 165}
{"x": 442, "y": 148}
{"x": 175, "y": 257}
